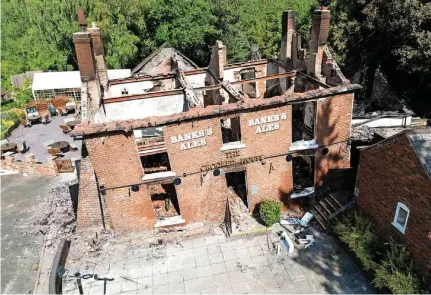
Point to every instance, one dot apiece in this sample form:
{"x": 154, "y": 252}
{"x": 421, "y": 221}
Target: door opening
{"x": 237, "y": 180}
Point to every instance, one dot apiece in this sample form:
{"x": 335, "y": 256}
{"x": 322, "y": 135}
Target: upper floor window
{"x": 401, "y": 217}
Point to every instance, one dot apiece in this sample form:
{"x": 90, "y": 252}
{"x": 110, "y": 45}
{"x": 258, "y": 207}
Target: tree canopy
{"x": 365, "y": 34}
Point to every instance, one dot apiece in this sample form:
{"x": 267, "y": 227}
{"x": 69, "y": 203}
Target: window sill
{"x": 169, "y": 221}
{"x": 304, "y": 193}
{"x": 232, "y": 146}
{"x": 158, "y": 175}
{"x": 399, "y": 227}
{"x": 303, "y": 145}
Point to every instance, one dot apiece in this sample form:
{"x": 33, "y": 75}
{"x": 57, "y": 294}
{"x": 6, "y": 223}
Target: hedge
{"x": 391, "y": 267}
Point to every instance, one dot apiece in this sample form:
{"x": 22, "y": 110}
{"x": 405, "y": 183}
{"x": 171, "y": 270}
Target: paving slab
{"x": 243, "y": 266}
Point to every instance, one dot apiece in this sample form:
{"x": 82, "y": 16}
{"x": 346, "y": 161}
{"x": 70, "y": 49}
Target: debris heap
{"x": 56, "y": 218}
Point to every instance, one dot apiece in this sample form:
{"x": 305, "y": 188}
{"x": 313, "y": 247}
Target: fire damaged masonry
{"x": 159, "y": 140}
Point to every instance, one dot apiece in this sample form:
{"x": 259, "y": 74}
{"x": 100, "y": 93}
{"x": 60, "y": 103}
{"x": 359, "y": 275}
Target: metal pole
{"x": 267, "y": 239}
{"x": 78, "y": 281}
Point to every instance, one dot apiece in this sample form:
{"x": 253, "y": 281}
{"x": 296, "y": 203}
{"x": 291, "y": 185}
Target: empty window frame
{"x": 155, "y": 163}
{"x": 165, "y": 201}
{"x": 303, "y": 173}
{"x": 401, "y": 216}
{"x": 303, "y": 117}
{"x": 230, "y": 130}
{"x": 249, "y": 88}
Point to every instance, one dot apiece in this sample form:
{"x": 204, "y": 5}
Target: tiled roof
{"x": 421, "y": 141}
{"x": 87, "y": 128}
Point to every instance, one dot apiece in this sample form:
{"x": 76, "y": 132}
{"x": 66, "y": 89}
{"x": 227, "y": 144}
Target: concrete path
{"x": 20, "y": 253}
{"x": 215, "y": 265}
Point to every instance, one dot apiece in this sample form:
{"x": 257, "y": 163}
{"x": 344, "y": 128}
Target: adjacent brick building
{"x": 165, "y": 147}
{"x": 395, "y": 191}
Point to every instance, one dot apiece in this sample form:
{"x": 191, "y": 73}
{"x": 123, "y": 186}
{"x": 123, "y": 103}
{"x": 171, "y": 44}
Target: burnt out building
{"x": 163, "y": 148}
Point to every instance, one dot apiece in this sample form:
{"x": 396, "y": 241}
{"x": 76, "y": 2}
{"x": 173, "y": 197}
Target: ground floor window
{"x": 401, "y": 217}
{"x": 165, "y": 201}
{"x": 303, "y": 174}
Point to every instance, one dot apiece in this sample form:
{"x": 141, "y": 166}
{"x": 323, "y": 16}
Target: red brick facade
{"x": 201, "y": 195}
{"x": 390, "y": 172}
{"x": 332, "y": 129}
{"x": 85, "y": 55}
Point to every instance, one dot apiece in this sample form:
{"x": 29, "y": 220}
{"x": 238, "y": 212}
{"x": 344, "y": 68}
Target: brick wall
{"x": 30, "y": 166}
{"x": 201, "y": 195}
{"x": 161, "y": 62}
{"x": 260, "y": 84}
{"x": 388, "y": 173}
{"x": 116, "y": 163}
{"x": 89, "y": 212}
{"x": 333, "y": 117}
{"x": 84, "y": 54}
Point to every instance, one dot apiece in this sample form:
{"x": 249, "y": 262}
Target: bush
{"x": 356, "y": 231}
{"x": 14, "y": 114}
{"x": 395, "y": 272}
{"x": 270, "y": 211}
{"x": 5, "y": 125}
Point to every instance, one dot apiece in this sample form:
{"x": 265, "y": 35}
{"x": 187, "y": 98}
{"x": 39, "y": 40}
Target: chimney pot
{"x": 81, "y": 20}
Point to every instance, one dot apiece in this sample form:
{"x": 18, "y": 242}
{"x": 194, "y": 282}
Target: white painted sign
{"x": 267, "y": 119}
{"x": 193, "y": 139}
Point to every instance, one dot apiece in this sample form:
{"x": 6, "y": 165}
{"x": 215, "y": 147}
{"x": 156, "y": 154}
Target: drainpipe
{"x": 100, "y": 204}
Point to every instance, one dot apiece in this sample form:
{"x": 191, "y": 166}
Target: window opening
{"x": 401, "y": 217}
{"x": 156, "y": 163}
{"x": 249, "y": 88}
{"x": 303, "y": 173}
{"x": 165, "y": 201}
{"x": 231, "y": 130}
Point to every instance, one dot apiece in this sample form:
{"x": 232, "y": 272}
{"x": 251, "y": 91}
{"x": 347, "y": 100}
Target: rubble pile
{"x": 56, "y": 218}
{"x": 240, "y": 217}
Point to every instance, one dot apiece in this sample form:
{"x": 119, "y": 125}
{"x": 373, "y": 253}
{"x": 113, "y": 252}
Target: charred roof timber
{"x": 182, "y": 86}
{"x": 192, "y": 99}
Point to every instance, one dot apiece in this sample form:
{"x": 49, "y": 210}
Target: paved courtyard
{"x": 37, "y": 134}
{"x": 215, "y": 265}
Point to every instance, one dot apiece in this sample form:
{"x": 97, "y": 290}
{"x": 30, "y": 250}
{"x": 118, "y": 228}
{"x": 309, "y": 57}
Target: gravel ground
{"x": 37, "y": 134}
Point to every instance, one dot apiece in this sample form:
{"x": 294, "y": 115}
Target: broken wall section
{"x": 89, "y": 205}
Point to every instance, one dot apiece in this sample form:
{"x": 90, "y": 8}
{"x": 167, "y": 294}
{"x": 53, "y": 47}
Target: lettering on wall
{"x": 192, "y": 139}
{"x": 231, "y": 162}
{"x": 232, "y": 154}
{"x": 274, "y": 121}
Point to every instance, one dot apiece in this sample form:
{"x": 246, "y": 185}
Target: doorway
{"x": 237, "y": 180}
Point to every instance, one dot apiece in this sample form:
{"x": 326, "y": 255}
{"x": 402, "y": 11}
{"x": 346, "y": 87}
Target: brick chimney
{"x": 287, "y": 31}
{"x": 97, "y": 40}
{"x": 319, "y": 38}
{"x": 218, "y": 59}
{"x": 81, "y": 20}
{"x": 84, "y": 49}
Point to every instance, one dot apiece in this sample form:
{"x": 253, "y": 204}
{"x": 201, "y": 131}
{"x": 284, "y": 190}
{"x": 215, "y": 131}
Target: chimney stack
{"x": 84, "y": 49}
{"x": 81, "y": 20}
{"x": 97, "y": 40}
{"x": 218, "y": 59}
{"x": 287, "y": 31}
{"x": 319, "y": 38}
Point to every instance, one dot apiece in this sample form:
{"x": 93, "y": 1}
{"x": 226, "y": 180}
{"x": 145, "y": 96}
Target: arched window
{"x": 401, "y": 217}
